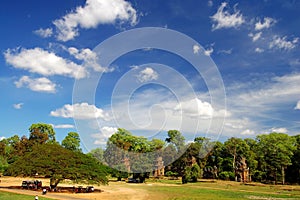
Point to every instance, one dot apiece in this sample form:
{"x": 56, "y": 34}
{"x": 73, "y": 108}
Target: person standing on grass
{"x": 36, "y": 197}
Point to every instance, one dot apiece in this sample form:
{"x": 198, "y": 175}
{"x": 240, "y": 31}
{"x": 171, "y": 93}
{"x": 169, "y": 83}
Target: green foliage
{"x": 72, "y": 142}
{"x": 276, "y": 151}
{"x": 3, "y": 164}
{"x": 195, "y": 172}
{"x": 227, "y": 175}
{"x": 128, "y": 153}
{"x": 176, "y": 138}
{"x": 98, "y": 153}
{"x": 58, "y": 163}
{"x": 41, "y": 133}
{"x": 171, "y": 174}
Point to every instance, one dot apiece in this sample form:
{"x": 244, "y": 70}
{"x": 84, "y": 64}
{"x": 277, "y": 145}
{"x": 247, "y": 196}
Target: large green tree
{"x": 293, "y": 171}
{"x": 58, "y": 163}
{"x": 276, "y": 150}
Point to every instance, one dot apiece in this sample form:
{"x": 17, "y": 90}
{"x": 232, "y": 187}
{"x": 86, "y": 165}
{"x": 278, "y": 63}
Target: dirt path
{"x": 113, "y": 191}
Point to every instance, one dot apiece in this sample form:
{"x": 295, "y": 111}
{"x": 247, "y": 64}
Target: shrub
{"x": 226, "y": 175}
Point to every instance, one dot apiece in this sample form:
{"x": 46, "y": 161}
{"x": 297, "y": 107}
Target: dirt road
{"x": 116, "y": 190}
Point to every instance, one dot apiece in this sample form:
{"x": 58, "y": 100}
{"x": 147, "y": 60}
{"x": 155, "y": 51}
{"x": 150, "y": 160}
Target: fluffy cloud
{"x": 105, "y": 133}
{"x": 89, "y": 57}
{"x": 196, "y": 49}
{"x": 197, "y": 108}
{"x": 81, "y": 111}
{"x": 248, "y": 132}
{"x": 63, "y": 126}
{"x": 18, "y": 105}
{"x": 267, "y": 23}
{"x": 148, "y": 74}
{"x": 92, "y": 14}
{"x": 283, "y": 43}
{"x": 255, "y": 37}
{"x": 259, "y": 50}
{"x": 43, "y": 62}
{"x": 39, "y": 84}
{"x": 2, "y": 138}
{"x": 297, "y": 106}
{"x": 279, "y": 130}
{"x": 208, "y": 51}
{"x": 44, "y": 33}
{"x": 224, "y": 19}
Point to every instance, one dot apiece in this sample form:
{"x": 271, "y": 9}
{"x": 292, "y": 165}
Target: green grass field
{"x": 9, "y": 195}
{"x": 219, "y": 190}
{"x": 173, "y": 190}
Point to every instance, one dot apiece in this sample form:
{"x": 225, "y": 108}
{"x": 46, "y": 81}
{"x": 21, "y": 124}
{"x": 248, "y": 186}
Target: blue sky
{"x": 48, "y": 49}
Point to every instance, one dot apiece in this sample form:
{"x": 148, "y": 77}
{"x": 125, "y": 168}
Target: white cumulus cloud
{"x": 104, "y": 134}
{"x": 92, "y": 14}
{"x": 267, "y": 23}
{"x": 81, "y": 111}
{"x": 63, "y": 126}
{"x": 196, "y": 49}
{"x": 224, "y": 19}
{"x": 38, "y": 84}
{"x": 148, "y": 74}
{"x": 279, "y": 130}
{"x": 89, "y": 57}
{"x": 197, "y": 108}
{"x": 18, "y": 105}
{"x": 298, "y": 106}
{"x": 259, "y": 50}
{"x": 208, "y": 51}
{"x": 283, "y": 43}
{"x": 248, "y": 132}
{"x": 43, "y": 62}
{"x": 44, "y": 33}
{"x": 255, "y": 36}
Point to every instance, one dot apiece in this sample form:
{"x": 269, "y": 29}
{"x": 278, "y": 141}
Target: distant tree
{"x": 58, "y": 163}
{"x": 176, "y": 138}
{"x": 98, "y": 153}
{"x": 72, "y": 142}
{"x": 276, "y": 149}
{"x": 2, "y": 148}
{"x": 41, "y": 133}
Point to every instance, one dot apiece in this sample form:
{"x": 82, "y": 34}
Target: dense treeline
{"x": 269, "y": 158}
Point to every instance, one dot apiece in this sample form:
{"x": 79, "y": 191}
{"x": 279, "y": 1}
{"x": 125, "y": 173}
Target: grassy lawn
{"x": 9, "y": 195}
{"x": 217, "y": 190}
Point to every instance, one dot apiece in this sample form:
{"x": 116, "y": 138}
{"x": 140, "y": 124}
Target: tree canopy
{"x": 58, "y": 163}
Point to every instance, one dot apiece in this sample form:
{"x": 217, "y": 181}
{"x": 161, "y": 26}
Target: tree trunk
{"x": 53, "y": 183}
{"x": 275, "y": 176}
{"x": 283, "y": 175}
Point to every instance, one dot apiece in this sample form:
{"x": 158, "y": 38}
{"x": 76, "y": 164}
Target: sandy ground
{"x": 113, "y": 191}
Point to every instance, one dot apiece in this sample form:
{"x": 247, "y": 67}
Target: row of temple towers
{"x": 159, "y": 169}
